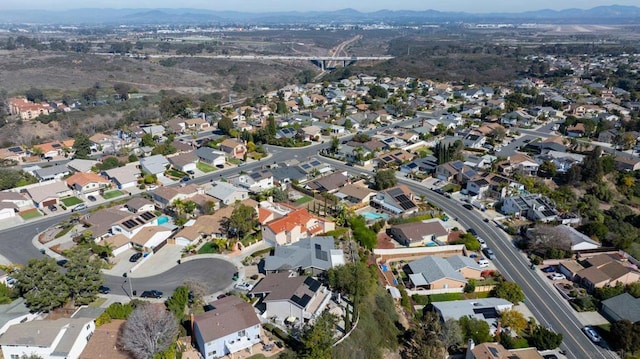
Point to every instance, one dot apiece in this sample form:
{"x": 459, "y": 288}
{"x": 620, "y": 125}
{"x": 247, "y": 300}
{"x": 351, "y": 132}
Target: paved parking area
{"x": 166, "y": 258}
{"x": 122, "y": 264}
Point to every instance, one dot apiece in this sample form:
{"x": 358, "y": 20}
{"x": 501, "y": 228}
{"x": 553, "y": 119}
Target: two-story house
{"x": 231, "y": 326}
{"x": 256, "y": 182}
{"x": 294, "y": 226}
{"x": 233, "y": 148}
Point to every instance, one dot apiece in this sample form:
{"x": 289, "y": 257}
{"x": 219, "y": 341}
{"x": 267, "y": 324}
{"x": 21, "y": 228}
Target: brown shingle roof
{"x": 104, "y": 343}
{"x": 231, "y": 315}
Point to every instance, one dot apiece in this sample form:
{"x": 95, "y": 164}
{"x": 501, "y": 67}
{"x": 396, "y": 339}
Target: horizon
{"x": 258, "y": 6}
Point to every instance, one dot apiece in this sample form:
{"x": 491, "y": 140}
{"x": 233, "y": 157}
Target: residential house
{"x": 15, "y": 153}
{"x": 579, "y": 241}
{"x": 52, "y": 173}
{"x": 487, "y": 309}
{"x": 288, "y": 174}
{"x": 210, "y": 156}
{"x": 314, "y": 255}
{"x": 355, "y": 195}
{"x": 227, "y": 193}
{"x": 79, "y": 165}
{"x": 104, "y": 343}
{"x": 139, "y": 205}
{"x": 294, "y": 226}
{"x": 397, "y": 200}
{"x": 155, "y": 165}
{"x": 417, "y": 234}
{"x": 7, "y": 210}
{"x": 17, "y": 200}
{"x": 165, "y": 196}
{"x": 577, "y": 130}
{"x": 256, "y": 182}
{"x": 392, "y": 159}
{"x": 105, "y": 143}
{"x": 627, "y": 163}
{"x": 606, "y": 270}
{"x": 608, "y": 136}
{"x": 133, "y": 223}
{"x": 519, "y": 163}
{"x": 51, "y": 149}
{"x": 118, "y": 243}
{"x": 184, "y": 162}
{"x": 49, "y": 339}
{"x": 570, "y": 268}
{"x": 203, "y": 227}
{"x": 48, "y": 194}
{"x": 532, "y": 206}
{"x": 85, "y": 183}
{"x": 426, "y": 165}
{"x": 14, "y": 312}
{"x": 329, "y": 183}
{"x": 455, "y": 171}
{"x": 231, "y": 326}
{"x": 561, "y": 160}
{"x": 621, "y": 307}
{"x": 491, "y": 185}
{"x": 474, "y": 140}
{"x": 154, "y": 130}
{"x": 233, "y": 148}
{"x": 150, "y": 237}
{"x": 433, "y": 272}
{"x": 290, "y": 298}
{"x": 555, "y": 143}
{"x": 497, "y": 351}
{"x": 196, "y": 124}
{"x": 100, "y": 222}
{"x": 124, "y": 177}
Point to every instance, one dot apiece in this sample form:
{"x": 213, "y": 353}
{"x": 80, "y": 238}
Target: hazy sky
{"x": 306, "y": 5}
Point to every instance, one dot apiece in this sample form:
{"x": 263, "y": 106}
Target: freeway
{"x": 543, "y": 301}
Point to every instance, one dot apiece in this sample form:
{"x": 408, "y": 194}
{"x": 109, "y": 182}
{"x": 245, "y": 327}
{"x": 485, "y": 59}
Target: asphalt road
{"x": 543, "y": 301}
{"x": 215, "y": 274}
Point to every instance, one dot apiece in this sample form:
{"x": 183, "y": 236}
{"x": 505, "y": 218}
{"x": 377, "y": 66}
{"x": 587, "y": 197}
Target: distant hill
{"x": 612, "y": 14}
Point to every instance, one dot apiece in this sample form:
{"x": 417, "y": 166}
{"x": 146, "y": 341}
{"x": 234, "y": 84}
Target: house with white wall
{"x": 230, "y": 327}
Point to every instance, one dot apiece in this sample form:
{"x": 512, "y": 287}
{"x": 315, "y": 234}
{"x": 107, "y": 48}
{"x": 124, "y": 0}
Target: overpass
{"x": 320, "y": 61}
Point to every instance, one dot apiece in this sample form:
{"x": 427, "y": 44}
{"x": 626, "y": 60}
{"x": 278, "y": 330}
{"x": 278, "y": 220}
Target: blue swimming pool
{"x": 374, "y": 215}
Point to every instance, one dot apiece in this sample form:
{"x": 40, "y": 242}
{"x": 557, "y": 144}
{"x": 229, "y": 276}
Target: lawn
{"x": 303, "y": 200}
{"x": 30, "y": 214}
{"x": 112, "y": 194}
{"x": 175, "y": 173}
{"x": 205, "y": 167}
{"x": 208, "y": 247}
{"x": 446, "y": 297}
{"x": 70, "y": 201}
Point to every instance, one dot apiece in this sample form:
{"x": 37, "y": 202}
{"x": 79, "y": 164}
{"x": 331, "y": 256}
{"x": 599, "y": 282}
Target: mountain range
{"x": 611, "y": 14}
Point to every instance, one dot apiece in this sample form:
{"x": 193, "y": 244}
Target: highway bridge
{"x": 320, "y": 61}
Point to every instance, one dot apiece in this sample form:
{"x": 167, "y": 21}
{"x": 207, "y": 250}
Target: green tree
{"x": 625, "y": 335}
{"x": 362, "y": 233}
{"x": 81, "y": 145}
{"x": 317, "y": 339}
{"x": 108, "y": 163}
{"x": 335, "y": 145}
{"x": 147, "y": 140}
{"x": 377, "y": 91}
{"x": 548, "y": 168}
{"x": 225, "y": 125}
{"x": 513, "y": 320}
{"x": 510, "y": 291}
{"x": 115, "y": 311}
{"x": 279, "y": 195}
{"x": 475, "y": 329}
{"x": 544, "y": 339}
{"x": 171, "y": 106}
{"x": 242, "y": 221}
{"x": 271, "y": 126}
{"x": 122, "y": 90}
{"x": 470, "y": 287}
{"x": 385, "y": 179}
{"x": 353, "y": 279}
{"x": 34, "y": 95}
{"x": 42, "y": 285}
{"x": 83, "y": 276}
{"x": 177, "y": 303}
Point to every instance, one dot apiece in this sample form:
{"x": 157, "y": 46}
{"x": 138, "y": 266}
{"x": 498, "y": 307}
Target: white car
{"x": 592, "y": 334}
{"x": 557, "y": 276}
{"x": 244, "y": 286}
{"x": 483, "y": 244}
{"x": 483, "y": 263}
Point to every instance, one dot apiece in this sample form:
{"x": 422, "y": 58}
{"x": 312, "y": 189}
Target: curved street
{"x": 213, "y": 273}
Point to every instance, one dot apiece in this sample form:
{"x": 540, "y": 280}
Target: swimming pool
{"x": 374, "y": 215}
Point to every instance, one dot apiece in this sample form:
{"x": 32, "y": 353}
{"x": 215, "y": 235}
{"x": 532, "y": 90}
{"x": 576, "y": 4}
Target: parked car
{"x": 185, "y": 179}
{"x": 482, "y": 242}
{"x": 104, "y": 290}
{"x": 549, "y": 269}
{"x": 53, "y": 208}
{"x": 468, "y": 206}
{"x": 244, "y": 286}
{"x": 191, "y": 172}
{"x": 80, "y": 207}
{"x": 91, "y": 198}
{"x": 134, "y": 258}
{"x": 62, "y": 262}
{"x": 483, "y": 263}
{"x": 151, "y": 294}
{"x": 489, "y": 253}
{"x": 557, "y": 276}
{"x": 472, "y": 231}
{"x": 592, "y": 334}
